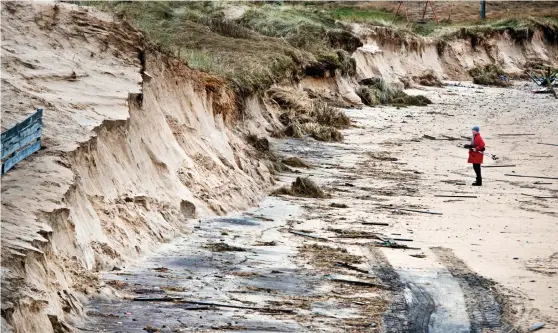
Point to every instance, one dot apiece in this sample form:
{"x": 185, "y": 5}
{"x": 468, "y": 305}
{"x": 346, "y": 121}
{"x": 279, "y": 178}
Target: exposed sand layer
{"x": 394, "y": 55}
{"x": 126, "y": 163}
{"x": 130, "y": 161}
{"x": 472, "y": 271}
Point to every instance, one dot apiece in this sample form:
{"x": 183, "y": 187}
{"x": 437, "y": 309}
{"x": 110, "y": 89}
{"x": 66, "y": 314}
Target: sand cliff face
{"x": 126, "y": 163}
{"x": 395, "y": 56}
{"x": 130, "y": 159}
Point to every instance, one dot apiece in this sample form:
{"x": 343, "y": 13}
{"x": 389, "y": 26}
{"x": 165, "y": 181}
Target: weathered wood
{"x": 8, "y": 149}
{"x": 21, "y": 140}
{"x": 182, "y": 300}
{"x": 349, "y": 266}
{"x": 419, "y": 211}
{"x": 455, "y": 196}
{"x": 221, "y": 305}
{"x": 499, "y": 166}
{"x": 306, "y": 235}
{"x": 376, "y": 223}
{"x": 361, "y": 283}
{"x": 20, "y": 155}
{"x": 397, "y": 246}
{"x": 539, "y": 177}
{"x": 539, "y": 197}
{"x": 158, "y": 299}
{"x": 518, "y": 134}
{"x": 402, "y": 239}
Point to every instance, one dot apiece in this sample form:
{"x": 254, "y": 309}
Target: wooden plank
{"x": 539, "y": 197}
{"x": 8, "y": 150}
{"x": 360, "y": 283}
{"x": 306, "y": 235}
{"x": 518, "y": 134}
{"x": 20, "y": 155}
{"x": 15, "y": 129}
{"x": 376, "y": 223}
{"x": 349, "y": 266}
{"x": 419, "y": 211}
{"x": 402, "y": 239}
{"x": 499, "y": 166}
{"x": 539, "y": 177}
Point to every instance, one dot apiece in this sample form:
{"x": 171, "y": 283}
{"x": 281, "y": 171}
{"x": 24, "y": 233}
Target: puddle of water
{"x": 450, "y": 314}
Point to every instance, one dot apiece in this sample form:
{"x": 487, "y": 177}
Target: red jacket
{"x": 474, "y": 156}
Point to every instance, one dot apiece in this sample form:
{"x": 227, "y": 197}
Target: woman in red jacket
{"x": 475, "y": 154}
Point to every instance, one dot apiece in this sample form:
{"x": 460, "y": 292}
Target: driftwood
{"x": 360, "y": 283}
{"x": 539, "y": 177}
{"x": 538, "y": 197}
{"x": 376, "y": 223}
{"x": 219, "y": 305}
{"x": 402, "y": 239}
{"x": 419, "y": 211}
{"x": 516, "y": 134}
{"x": 500, "y": 166}
{"x": 306, "y": 235}
{"x": 349, "y": 266}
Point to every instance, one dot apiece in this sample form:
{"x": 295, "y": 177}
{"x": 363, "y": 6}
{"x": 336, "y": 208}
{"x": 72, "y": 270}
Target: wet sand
{"x": 487, "y": 262}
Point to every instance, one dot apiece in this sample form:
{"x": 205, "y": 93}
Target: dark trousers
{"x": 477, "y": 168}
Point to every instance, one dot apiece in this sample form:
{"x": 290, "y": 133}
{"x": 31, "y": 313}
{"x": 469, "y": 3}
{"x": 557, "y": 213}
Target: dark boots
{"x": 477, "y": 168}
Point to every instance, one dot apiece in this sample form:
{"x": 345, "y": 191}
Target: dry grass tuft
{"x": 223, "y": 247}
{"x": 490, "y": 75}
{"x": 428, "y": 78}
{"x": 303, "y": 116}
{"x": 327, "y": 257}
{"x": 302, "y": 187}
{"x": 376, "y": 91}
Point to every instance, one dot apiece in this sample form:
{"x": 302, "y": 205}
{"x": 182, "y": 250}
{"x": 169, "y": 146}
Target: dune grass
{"x": 379, "y": 92}
{"x": 268, "y": 44}
{"x": 489, "y": 75}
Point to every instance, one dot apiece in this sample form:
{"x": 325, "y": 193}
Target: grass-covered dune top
{"x": 253, "y": 45}
{"x": 266, "y": 44}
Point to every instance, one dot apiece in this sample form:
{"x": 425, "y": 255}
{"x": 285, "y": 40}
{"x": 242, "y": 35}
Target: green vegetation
{"x": 377, "y": 91}
{"x": 489, "y": 75}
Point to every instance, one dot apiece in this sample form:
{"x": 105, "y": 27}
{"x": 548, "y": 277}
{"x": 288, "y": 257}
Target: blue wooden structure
{"x": 21, "y": 140}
